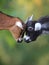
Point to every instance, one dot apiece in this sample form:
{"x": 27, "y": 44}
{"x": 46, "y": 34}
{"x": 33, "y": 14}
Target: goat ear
{"x": 37, "y": 26}
{"x": 29, "y": 19}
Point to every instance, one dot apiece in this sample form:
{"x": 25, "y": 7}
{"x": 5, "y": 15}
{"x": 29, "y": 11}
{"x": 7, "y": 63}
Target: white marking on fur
{"x": 37, "y": 26}
{"x": 20, "y": 39}
{"x": 26, "y": 37}
{"x": 19, "y": 24}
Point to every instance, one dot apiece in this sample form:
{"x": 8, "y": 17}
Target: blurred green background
{"x": 34, "y": 53}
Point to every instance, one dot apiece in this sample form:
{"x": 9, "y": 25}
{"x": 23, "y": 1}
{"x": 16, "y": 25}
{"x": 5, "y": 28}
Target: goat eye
{"x": 30, "y": 28}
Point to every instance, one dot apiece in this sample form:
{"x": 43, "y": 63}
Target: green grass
{"x": 34, "y": 53}
{"x": 12, "y": 53}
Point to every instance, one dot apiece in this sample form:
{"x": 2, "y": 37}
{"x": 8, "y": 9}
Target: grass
{"x": 34, "y": 53}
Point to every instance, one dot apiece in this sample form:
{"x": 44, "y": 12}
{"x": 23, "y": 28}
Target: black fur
{"x": 44, "y": 21}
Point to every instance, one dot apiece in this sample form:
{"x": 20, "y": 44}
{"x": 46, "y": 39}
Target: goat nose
{"x": 27, "y": 39}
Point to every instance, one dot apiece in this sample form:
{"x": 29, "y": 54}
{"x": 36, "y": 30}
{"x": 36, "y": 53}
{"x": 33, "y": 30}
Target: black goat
{"x": 35, "y": 28}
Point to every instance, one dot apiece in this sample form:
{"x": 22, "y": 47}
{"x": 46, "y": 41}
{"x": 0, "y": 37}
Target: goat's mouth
{"x": 19, "y": 40}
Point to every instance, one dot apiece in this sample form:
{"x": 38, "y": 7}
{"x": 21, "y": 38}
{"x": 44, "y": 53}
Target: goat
{"x": 14, "y": 24}
{"x": 36, "y": 28}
